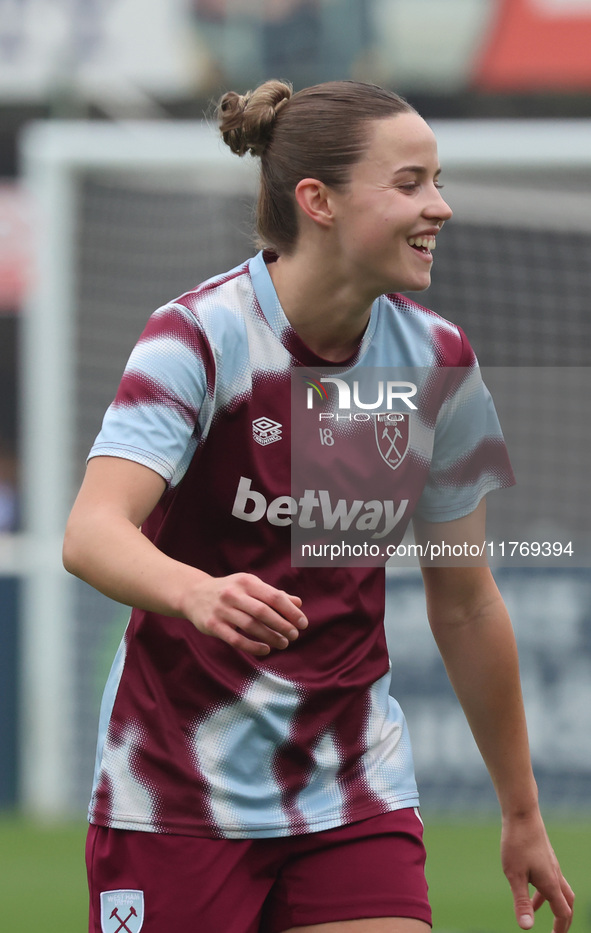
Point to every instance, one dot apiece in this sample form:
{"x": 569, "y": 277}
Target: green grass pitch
{"x": 43, "y": 884}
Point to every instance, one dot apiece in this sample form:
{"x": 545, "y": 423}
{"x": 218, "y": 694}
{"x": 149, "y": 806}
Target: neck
{"x": 325, "y": 310}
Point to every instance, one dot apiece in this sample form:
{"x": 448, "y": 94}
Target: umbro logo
{"x": 266, "y": 431}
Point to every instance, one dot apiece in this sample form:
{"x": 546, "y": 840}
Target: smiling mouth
{"x": 424, "y": 244}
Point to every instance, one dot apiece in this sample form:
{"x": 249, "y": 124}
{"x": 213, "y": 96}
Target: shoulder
{"x": 205, "y": 316}
{"x": 447, "y": 341}
{"x": 229, "y": 293}
{"x": 188, "y": 330}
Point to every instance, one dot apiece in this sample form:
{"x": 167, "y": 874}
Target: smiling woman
{"x": 362, "y": 198}
{"x": 302, "y": 140}
{"x": 253, "y": 774}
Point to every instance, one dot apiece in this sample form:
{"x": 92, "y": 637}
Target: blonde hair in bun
{"x": 246, "y": 121}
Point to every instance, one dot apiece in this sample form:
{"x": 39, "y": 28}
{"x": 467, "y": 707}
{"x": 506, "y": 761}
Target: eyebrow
{"x": 417, "y": 169}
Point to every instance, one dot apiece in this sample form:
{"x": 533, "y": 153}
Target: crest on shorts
{"x": 392, "y": 437}
{"x": 122, "y": 911}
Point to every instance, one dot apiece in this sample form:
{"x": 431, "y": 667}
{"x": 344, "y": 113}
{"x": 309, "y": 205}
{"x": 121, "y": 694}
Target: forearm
{"x": 478, "y": 648}
{"x": 111, "y": 554}
{"x": 105, "y": 547}
{"x": 475, "y": 637}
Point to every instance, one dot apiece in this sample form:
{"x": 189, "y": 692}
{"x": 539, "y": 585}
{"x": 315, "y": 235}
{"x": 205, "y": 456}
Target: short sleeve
{"x": 470, "y": 458}
{"x": 163, "y": 397}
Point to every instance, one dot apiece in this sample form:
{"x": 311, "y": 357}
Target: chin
{"x": 414, "y": 283}
{"x": 419, "y": 286}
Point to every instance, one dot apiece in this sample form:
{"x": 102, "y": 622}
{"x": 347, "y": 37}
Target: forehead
{"x": 397, "y": 141}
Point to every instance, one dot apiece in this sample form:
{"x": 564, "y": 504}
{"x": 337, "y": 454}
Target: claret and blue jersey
{"x": 196, "y": 737}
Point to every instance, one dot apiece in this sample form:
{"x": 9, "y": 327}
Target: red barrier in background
{"x": 536, "y": 45}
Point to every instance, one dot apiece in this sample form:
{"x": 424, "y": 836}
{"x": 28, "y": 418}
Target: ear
{"x": 312, "y": 196}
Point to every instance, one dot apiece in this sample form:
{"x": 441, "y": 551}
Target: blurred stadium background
{"x": 113, "y": 197}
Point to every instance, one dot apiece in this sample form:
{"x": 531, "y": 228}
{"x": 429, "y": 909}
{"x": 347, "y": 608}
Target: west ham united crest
{"x": 392, "y": 437}
{"x": 122, "y": 911}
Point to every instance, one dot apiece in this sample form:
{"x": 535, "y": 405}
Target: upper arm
{"x": 456, "y": 543}
{"x": 456, "y": 586}
{"x": 117, "y": 487}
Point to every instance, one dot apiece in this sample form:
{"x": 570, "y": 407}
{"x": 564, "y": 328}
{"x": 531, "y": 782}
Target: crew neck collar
{"x": 274, "y": 314}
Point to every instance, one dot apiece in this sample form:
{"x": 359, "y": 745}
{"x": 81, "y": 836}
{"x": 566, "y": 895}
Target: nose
{"x": 438, "y": 208}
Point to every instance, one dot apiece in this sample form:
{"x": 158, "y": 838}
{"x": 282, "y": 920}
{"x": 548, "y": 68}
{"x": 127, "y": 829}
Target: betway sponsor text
{"x": 316, "y": 509}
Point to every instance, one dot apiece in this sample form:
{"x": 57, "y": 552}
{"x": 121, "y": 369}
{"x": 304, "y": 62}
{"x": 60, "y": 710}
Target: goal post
{"x": 127, "y": 215}
{"x": 56, "y": 156}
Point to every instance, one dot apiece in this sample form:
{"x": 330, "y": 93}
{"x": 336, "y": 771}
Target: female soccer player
{"x": 253, "y": 774}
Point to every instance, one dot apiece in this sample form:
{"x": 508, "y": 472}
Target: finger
{"x": 285, "y": 604}
{"x": 259, "y": 619}
{"x": 568, "y": 892}
{"x": 302, "y": 621}
{"x": 561, "y": 903}
{"x": 274, "y": 607}
{"x": 562, "y": 908}
{"x": 259, "y": 630}
{"x": 537, "y": 900}
{"x": 235, "y": 639}
{"x": 524, "y": 910}
{"x": 562, "y": 924}
{"x": 287, "y": 607}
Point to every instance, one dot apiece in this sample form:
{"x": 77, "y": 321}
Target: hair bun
{"x": 246, "y": 121}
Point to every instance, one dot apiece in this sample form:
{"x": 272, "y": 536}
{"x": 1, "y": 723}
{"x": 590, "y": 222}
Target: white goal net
{"x": 129, "y": 215}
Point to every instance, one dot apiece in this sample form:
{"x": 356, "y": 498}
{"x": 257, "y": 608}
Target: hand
{"x": 528, "y": 858}
{"x": 246, "y": 613}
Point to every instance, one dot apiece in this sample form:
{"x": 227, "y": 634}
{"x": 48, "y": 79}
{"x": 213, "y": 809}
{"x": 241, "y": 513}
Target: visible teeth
{"x": 426, "y": 242}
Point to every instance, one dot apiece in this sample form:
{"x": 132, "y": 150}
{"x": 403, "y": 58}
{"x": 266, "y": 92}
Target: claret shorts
{"x": 161, "y": 883}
